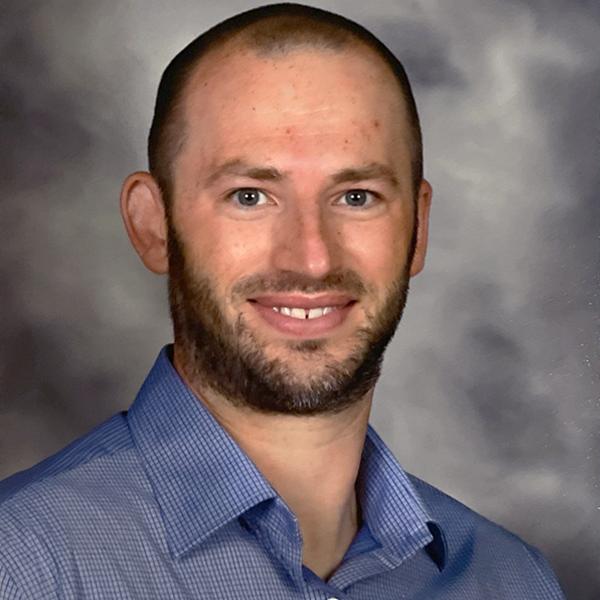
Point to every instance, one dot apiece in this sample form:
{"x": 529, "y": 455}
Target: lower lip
{"x": 303, "y": 328}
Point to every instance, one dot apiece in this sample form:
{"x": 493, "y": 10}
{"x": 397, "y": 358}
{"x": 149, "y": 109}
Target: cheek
{"x": 227, "y": 250}
{"x": 376, "y": 250}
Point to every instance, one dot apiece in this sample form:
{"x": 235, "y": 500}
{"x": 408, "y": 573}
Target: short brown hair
{"x": 271, "y": 29}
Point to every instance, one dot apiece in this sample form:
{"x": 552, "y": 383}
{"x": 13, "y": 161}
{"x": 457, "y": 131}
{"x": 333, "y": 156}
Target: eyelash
{"x": 375, "y": 197}
{"x": 230, "y": 196}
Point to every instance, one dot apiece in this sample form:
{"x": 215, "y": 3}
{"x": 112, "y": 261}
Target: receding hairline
{"x": 238, "y": 46}
{"x": 241, "y": 43}
{"x": 279, "y": 35}
{"x": 245, "y": 43}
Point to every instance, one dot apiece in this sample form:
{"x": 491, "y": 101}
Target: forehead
{"x": 238, "y": 97}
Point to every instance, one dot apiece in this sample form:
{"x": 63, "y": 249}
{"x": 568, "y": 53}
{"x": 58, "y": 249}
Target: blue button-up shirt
{"x": 160, "y": 502}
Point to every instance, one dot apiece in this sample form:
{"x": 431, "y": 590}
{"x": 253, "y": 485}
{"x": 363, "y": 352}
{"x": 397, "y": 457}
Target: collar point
{"x": 437, "y": 549}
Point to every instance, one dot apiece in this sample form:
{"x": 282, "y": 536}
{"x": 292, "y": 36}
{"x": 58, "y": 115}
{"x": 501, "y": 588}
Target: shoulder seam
{"x": 51, "y": 476}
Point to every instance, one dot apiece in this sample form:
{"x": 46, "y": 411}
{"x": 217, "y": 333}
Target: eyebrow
{"x": 366, "y": 172}
{"x": 240, "y": 168}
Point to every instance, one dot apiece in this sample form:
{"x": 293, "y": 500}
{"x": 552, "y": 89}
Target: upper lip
{"x": 300, "y": 301}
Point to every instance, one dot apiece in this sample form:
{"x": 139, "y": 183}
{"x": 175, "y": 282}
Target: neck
{"x": 312, "y": 462}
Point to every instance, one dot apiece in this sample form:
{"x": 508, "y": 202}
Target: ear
{"x": 143, "y": 213}
{"x": 423, "y": 206}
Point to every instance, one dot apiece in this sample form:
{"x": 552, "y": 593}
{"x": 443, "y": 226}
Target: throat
{"x": 323, "y": 554}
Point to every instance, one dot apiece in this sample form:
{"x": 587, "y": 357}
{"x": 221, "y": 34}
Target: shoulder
{"x": 83, "y": 454}
{"x": 44, "y": 507}
{"x": 460, "y": 522}
{"x": 452, "y": 514}
{"x": 486, "y": 547}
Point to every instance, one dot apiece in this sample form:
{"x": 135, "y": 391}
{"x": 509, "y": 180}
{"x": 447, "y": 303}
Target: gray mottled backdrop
{"x": 491, "y": 387}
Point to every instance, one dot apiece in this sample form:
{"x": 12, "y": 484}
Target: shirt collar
{"x": 202, "y": 479}
{"x": 397, "y": 516}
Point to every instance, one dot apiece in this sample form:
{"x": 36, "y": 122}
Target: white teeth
{"x": 304, "y": 313}
{"x": 314, "y": 313}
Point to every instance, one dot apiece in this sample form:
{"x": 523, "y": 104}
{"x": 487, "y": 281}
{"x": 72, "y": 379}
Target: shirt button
{"x": 332, "y": 598}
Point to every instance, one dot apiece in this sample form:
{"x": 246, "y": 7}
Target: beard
{"x": 229, "y": 359}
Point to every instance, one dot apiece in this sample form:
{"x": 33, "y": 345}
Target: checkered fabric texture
{"x": 160, "y": 502}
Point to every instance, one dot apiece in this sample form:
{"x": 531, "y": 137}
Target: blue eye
{"x": 357, "y": 198}
{"x": 249, "y": 197}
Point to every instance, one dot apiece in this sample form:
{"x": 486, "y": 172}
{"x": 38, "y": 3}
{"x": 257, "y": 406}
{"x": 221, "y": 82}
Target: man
{"x": 286, "y": 203}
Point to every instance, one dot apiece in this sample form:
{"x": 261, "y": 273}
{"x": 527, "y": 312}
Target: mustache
{"x": 342, "y": 280}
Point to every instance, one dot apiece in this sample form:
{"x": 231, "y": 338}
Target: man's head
{"x": 273, "y": 30}
{"x": 285, "y": 179}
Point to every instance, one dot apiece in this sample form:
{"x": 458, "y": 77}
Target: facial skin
{"x": 304, "y": 129}
{"x": 300, "y": 197}
{"x": 229, "y": 357}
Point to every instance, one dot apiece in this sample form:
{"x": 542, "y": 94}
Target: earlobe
{"x": 423, "y": 206}
{"x": 143, "y": 213}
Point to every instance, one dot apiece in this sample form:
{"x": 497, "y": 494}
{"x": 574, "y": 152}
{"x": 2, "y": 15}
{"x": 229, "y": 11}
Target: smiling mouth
{"x": 303, "y": 316}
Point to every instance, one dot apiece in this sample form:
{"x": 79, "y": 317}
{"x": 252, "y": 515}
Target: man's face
{"x": 291, "y": 227}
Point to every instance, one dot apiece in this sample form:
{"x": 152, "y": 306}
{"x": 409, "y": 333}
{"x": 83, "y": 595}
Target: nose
{"x": 306, "y": 241}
